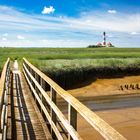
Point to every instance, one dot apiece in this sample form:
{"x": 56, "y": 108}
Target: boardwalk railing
{"x": 4, "y": 90}
{"x": 47, "y": 102}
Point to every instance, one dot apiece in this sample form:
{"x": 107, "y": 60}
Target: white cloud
{"x": 134, "y": 33}
{"x": 60, "y": 17}
{"x": 87, "y": 27}
{"x": 48, "y": 10}
{"x": 110, "y": 36}
{"x": 112, "y": 11}
{"x": 47, "y": 43}
{"x": 94, "y": 22}
{"x": 20, "y": 37}
{"x": 4, "y": 39}
{"x": 5, "y": 34}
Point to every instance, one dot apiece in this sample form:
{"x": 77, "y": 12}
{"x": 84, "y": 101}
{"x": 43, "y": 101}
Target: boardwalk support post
{"x": 42, "y": 83}
{"x": 53, "y": 115}
{"x": 72, "y": 116}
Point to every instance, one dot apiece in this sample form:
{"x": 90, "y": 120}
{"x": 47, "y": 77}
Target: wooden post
{"x": 47, "y": 106}
{"x": 31, "y": 74}
{"x": 43, "y": 85}
{"x": 42, "y": 82}
{"x": 35, "y": 85}
{"x": 37, "y": 77}
{"x": 72, "y": 116}
{"x": 53, "y": 115}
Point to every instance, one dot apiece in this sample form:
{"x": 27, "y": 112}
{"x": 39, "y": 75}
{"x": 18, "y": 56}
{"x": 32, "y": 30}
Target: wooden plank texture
{"x": 59, "y": 114}
{"x": 25, "y": 118}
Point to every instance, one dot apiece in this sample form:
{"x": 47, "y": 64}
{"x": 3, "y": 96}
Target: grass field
{"x": 75, "y": 61}
{"x": 73, "y": 56}
{"x": 69, "y": 53}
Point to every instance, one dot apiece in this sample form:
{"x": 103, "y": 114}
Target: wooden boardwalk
{"x": 29, "y": 109}
{"x": 24, "y": 117}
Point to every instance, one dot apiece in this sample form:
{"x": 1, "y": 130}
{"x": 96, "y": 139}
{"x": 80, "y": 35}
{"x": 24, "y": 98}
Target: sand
{"x": 125, "y": 120}
{"x": 102, "y": 87}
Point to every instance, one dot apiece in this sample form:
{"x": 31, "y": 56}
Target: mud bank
{"x": 126, "y": 121}
{"x": 119, "y": 108}
{"x": 102, "y": 88}
{"x": 79, "y": 78}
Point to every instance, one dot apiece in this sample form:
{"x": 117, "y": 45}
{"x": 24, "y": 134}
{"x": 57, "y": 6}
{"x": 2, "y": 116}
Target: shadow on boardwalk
{"x": 19, "y": 112}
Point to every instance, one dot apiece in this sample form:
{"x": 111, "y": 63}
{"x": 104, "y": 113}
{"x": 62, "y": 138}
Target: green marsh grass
{"x": 55, "y": 60}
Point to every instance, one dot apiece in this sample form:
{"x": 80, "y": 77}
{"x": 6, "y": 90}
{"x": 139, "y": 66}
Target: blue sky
{"x": 63, "y": 23}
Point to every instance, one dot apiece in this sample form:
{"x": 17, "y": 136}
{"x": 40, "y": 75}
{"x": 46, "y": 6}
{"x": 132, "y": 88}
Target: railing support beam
{"x": 72, "y": 116}
{"x": 53, "y": 115}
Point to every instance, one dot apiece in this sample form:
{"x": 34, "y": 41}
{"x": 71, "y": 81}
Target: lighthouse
{"x": 104, "y": 43}
{"x": 104, "y": 38}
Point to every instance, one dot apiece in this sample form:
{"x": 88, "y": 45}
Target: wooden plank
{"x": 2, "y": 84}
{"x": 59, "y": 114}
{"x": 43, "y": 85}
{"x": 4, "y": 133}
{"x": 95, "y": 121}
{"x": 44, "y": 109}
{"x": 3, "y": 76}
{"x": 39, "y": 115}
{"x": 4, "y": 99}
{"x": 9, "y": 122}
{"x": 3, "y": 116}
{"x": 24, "y": 117}
{"x": 72, "y": 116}
{"x": 52, "y": 113}
{"x": 0, "y": 136}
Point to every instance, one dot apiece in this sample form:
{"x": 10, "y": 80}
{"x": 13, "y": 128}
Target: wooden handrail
{"x": 75, "y": 106}
{"x": 3, "y": 76}
{"x": 4, "y": 81}
{"x": 59, "y": 114}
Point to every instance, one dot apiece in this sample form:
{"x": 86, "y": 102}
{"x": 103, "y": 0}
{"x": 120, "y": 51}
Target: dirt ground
{"x": 125, "y": 120}
{"x": 102, "y": 87}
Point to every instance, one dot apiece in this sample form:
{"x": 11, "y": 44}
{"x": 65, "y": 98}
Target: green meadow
{"x": 72, "y": 61}
{"x": 65, "y": 59}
